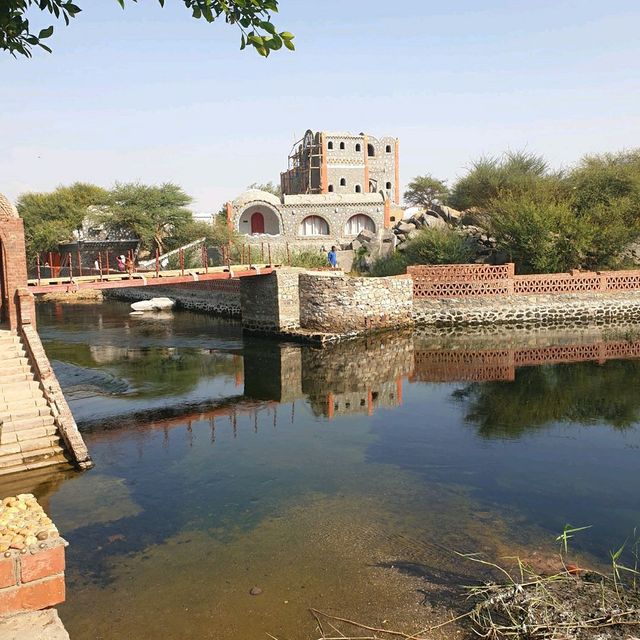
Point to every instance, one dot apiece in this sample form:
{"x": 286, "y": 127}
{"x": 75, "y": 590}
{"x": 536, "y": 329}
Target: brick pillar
{"x": 324, "y": 180}
{"x": 31, "y": 566}
{"x": 14, "y": 268}
{"x": 387, "y": 213}
{"x": 365, "y": 146}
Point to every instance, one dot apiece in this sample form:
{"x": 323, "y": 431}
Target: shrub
{"x": 309, "y": 259}
{"x": 437, "y": 246}
{"x": 392, "y": 265}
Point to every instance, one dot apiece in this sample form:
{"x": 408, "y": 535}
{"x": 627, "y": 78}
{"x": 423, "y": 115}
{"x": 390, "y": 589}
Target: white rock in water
{"x": 155, "y": 304}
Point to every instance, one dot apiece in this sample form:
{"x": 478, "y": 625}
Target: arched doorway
{"x": 257, "y": 222}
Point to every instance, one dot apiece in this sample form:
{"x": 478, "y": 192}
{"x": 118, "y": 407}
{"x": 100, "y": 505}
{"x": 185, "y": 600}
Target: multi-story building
{"x": 336, "y": 185}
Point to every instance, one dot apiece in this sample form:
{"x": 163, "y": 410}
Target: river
{"x": 341, "y": 478}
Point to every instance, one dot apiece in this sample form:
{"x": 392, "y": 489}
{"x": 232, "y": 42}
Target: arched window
{"x": 355, "y": 224}
{"x": 330, "y": 188}
{"x": 358, "y": 147}
{"x": 314, "y": 226}
{"x": 371, "y": 151}
{"x": 342, "y": 145}
{"x": 358, "y": 189}
{"x": 388, "y": 185}
{"x": 388, "y": 148}
{"x": 343, "y": 182}
{"x": 329, "y": 145}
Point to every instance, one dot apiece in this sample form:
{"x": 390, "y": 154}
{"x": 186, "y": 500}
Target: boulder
{"x": 155, "y": 304}
{"x": 435, "y": 222}
{"x": 405, "y": 227}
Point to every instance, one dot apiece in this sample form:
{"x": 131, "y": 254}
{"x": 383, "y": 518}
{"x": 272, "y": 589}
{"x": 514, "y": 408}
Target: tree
{"x": 51, "y": 218}
{"x": 158, "y": 215}
{"x": 251, "y": 17}
{"x": 423, "y": 191}
{"x": 269, "y": 187}
{"x": 514, "y": 172}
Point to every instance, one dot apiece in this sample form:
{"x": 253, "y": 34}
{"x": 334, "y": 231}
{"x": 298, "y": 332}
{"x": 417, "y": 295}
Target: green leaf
{"x": 45, "y": 33}
{"x": 289, "y": 45}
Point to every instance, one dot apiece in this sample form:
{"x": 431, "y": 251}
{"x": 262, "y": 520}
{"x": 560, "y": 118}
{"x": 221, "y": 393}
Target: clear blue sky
{"x": 150, "y": 94}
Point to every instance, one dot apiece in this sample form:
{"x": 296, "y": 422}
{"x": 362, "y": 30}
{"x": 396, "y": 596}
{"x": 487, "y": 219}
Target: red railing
{"x": 452, "y": 281}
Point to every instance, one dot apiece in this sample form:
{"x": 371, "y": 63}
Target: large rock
{"x": 434, "y": 222}
{"x": 405, "y": 227}
{"x": 155, "y": 304}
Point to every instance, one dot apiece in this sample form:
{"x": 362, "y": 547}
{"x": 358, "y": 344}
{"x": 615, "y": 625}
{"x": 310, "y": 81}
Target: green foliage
{"x": 251, "y": 17}
{"x": 393, "y": 265}
{"x": 269, "y": 187}
{"x": 158, "y": 215}
{"x": 309, "y": 259}
{"x": 514, "y": 172}
{"x": 539, "y": 231}
{"x": 423, "y": 191}
{"x": 51, "y": 218}
{"x": 437, "y": 246}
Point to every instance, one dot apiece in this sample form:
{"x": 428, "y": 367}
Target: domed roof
{"x": 7, "y": 209}
{"x": 253, "y": 195}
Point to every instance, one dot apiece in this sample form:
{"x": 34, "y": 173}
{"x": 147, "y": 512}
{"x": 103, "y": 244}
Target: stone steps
{"x": 29, "y": 437}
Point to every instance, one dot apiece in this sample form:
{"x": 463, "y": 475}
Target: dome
{"x": 7, "y": 209}
{"x": 253, "y": 195}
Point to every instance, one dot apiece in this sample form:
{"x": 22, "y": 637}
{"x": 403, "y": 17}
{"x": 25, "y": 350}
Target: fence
{"x": 455, "y": 280}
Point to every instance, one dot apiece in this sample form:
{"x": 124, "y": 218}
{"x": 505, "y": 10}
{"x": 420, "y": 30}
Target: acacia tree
{"x": 157, "y": 215}
{"x": 269, "y": 187}
{"x": 423, "y": 191}
{"x": 251, "y": 17}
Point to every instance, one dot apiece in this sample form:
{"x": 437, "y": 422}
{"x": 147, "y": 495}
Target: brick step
{"x": 27, "y": 423}
{"x": 17, "y": 404}
{"x": 7, "y": 377}
{"x": 12, "y": 390}
{"x": 16, "y": 463}
{"x": 14, "y": 359}
{"x": 11, "y": 437}
{"x": 25, "y": 412}
{"x": 14, "y": 366}
{"x": 31, "y": 446}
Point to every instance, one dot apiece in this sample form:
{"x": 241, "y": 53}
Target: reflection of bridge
{"x": 144, "y": 279}
{"x": 500, "y": 364}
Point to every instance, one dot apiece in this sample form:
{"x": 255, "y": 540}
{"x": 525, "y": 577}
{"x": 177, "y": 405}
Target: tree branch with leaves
{"x": 251, "y": 17}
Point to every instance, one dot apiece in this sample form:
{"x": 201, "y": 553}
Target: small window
{"x": 330, "y": 188}
{"x": 388, "y": 148}
{"x": 392, "y": 218}
{"x": 330, "y": 145}
{"x": 358, "y": 147}
{"x": 388, "y": 185}
{"x": 371, "y": 151}
{"x": 358, "y": 189}
{"x": 343, "y": 182}
{"x": 342, "y": 145}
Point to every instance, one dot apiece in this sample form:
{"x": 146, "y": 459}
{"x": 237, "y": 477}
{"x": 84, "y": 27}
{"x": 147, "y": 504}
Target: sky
{"x": 152, "y": 95}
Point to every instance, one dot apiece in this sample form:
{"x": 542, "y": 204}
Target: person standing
{"x": 333, "y": 257}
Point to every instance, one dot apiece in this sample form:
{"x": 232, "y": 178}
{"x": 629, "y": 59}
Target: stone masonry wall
{"x": 335, "y": 303}
{"x": 270, "y": 302}
{"x": 221, "y": 297}
{"x": 539, "y": 310}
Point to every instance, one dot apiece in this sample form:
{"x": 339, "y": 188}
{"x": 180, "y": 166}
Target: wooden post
{"x": 108, "y": 268}
{"x": 205, "y": 257}
{"x": 269, "y": 250}
{"x": 100, "y": 264}
{"x": 70, "y": 266}
{"x": 50, "y": 264}
{"x": 181, "y": 256}
{"x": 262, "y": 252}
{"x": 157, "y": 262}
{"x": 249, "y": 248}
{"x": 38, "y": 267}
{"x": 79, "y": 262}
{"x": 229, "y": 257}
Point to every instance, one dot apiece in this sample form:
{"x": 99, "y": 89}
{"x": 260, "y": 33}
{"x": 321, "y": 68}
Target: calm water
{"x": 339, "y": 479}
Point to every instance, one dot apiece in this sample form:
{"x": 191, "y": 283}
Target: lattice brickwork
{"x": 462, "y": 280}
{"x": 500, "y": 364}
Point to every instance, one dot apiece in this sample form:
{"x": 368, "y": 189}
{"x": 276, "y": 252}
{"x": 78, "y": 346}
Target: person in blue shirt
{"x": 333, "y": 257}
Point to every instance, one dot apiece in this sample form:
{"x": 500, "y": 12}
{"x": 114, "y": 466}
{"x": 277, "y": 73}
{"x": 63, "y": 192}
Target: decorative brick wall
{"x": 31, "y": 565}
{"x": 459, "y": 280}
{"x": 334, "y": 303}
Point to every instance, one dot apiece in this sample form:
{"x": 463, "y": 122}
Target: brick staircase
{"x": 29, "y": 437}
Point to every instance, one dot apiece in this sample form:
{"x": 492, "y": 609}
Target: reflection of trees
{"x": 586, "y": 393}
{"x": 152, "y": 372}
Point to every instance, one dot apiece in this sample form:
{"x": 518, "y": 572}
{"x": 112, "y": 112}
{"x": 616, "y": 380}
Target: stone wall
{"x": 221, "y": 297}
{"x": 270, "y": 303}
{"x": 334, "y": 303}
{"x": 540, "y": 310}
